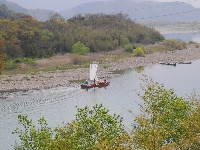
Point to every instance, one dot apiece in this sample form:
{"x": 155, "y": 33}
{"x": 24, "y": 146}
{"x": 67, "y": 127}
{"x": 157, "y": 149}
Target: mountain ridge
{"x": 137, "y": 10}
{"x": 149, "y": 10}
{"x": 39, "y": 14}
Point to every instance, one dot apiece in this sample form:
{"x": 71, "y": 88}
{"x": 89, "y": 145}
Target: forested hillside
{"x": 27, "y": 37}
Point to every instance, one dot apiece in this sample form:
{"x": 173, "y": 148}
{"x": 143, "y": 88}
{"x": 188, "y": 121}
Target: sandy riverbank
{"x": 60, "y": 78}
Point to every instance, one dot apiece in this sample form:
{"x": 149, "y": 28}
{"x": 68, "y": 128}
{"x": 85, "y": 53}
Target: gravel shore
{"x": 61, "y": 78}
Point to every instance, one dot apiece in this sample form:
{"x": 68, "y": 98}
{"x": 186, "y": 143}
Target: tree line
{"x": 28, "y": 37}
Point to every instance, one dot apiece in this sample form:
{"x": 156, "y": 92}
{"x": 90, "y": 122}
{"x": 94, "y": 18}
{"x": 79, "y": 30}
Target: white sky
{"x": 59, "y": 5}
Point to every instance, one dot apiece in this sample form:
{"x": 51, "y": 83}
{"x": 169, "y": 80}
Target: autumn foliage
{"x": 28, "y": 37}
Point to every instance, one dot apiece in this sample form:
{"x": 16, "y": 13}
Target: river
{"x": 58, "y": 105}
{"x": 183, "y": 36}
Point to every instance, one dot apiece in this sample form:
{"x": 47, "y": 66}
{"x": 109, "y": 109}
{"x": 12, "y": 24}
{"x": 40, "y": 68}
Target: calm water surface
{"x": 58, "y": 105}
{"x": 183, "y": 36}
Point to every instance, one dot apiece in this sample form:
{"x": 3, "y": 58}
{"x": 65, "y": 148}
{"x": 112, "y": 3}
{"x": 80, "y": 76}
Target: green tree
{"x": 80, "y": 48}
{"x": 34, "y": 138}
{"x": 128, "y": 48}
{"x": 162, "y": 123}
{"x": 54, "y": 16}
{"x": 125, "y": 41}
{"x": 192, "y": 125}
{"x": 126, "y": 45}
{"x": 92, "y": 129}
{"x": 96, "y": 129}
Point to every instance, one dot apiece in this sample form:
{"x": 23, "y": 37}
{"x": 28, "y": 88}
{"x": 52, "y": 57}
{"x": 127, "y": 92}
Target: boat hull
{"x": 84, "y": 86}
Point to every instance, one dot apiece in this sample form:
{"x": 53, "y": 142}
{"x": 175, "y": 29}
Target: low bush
{"x": 192, "y": 42}
{"x": 166, "y": 45}
{"x": 13, "y": 64}
{"x": 9, "y": 65}
{"x": 28, "y": 61}
{"x": 128, "y": 48}
{"x": 139, "y": 52}
{"x": 174, "y": 44}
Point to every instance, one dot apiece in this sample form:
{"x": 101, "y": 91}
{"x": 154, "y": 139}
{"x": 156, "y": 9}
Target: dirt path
{"x": 60, "y": 78}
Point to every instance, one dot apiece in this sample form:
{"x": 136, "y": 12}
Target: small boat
{"x": 185, "y": 62}
{"x": 171, "y": 64}
{"x": 162, "y": 63}
{"x": 85, "y": 86}
{"x": 93, "y": 78}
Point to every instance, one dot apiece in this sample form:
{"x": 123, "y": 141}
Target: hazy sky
{"x": 58, "y": 5}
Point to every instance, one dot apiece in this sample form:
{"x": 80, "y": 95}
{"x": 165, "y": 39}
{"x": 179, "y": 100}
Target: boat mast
{"x": 93, "y": 70}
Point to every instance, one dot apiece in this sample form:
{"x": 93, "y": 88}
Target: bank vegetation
{"x": 26, "y": 38}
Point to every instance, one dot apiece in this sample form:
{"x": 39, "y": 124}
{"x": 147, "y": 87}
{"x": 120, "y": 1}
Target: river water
{"x": 58, "y": 105}
{"x": 184, "y": 36}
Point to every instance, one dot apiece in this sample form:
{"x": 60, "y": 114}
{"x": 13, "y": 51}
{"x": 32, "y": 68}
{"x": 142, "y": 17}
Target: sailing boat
{"x": 93, "y": 78}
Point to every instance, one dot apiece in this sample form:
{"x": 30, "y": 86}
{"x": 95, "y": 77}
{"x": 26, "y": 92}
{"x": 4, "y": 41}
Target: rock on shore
{"x": 60, "y": 78}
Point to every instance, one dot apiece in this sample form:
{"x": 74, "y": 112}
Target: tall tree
{"x": 163, "y": 121}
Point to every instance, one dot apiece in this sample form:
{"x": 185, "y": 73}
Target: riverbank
{"x": 105, "y": 70}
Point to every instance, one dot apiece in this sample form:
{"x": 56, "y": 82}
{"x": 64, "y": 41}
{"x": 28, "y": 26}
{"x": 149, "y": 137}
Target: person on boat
{"x": 96, "y": 79}
{"x": 105, "y": 81}
{"x": 86, "y": 82}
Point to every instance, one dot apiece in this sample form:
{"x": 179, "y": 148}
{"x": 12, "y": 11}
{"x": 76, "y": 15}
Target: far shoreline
{"x": 44, "y": 80}
{"x": 171, "y": 30}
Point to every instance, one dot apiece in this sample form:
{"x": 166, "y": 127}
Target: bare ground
{"x": 63, "y": 77}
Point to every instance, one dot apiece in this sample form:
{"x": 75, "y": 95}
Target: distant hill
{"x": 138, "y": 10}
{"x": 39, "y": 14}
{"x": 146, "y": 10}
{"x": 6, "y": 13}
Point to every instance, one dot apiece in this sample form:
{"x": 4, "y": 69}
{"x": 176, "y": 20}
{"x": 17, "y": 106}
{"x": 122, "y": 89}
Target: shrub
{"x": 125, "y": 41}
{"x": 139, "y": 52}
{"x": 174, "y": 45}
{"x": 13, "y": 64}
{"x": 128, "y": 48}
{"x": 80, "y": 48}
{"x": 9, "y": 65}
{"x": 28, "y": 61}
{"x": 192, "y": 42}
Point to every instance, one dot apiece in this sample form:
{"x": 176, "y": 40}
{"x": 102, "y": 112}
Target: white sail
{"x": 93, "y": 70}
